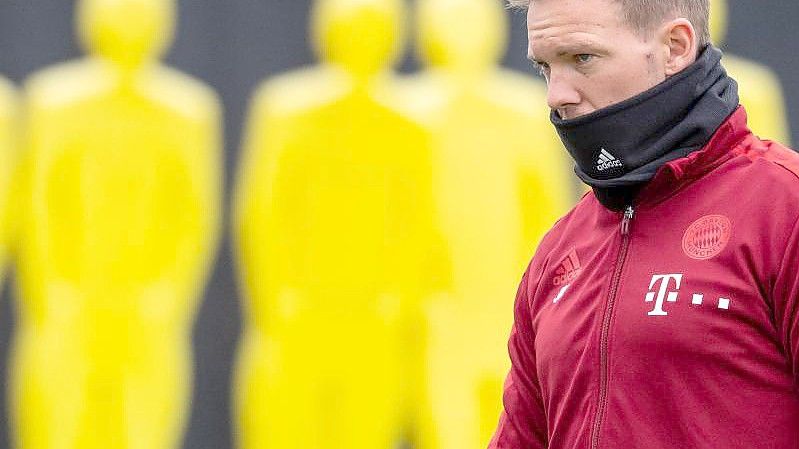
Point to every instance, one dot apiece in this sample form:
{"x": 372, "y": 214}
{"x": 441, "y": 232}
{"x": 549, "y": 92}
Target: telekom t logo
{"x": 663, "y": 293}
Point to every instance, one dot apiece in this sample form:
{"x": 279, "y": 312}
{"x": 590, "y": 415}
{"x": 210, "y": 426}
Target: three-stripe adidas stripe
{"x": 605, "y": 157}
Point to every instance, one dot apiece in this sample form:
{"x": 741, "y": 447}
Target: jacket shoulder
{"x": 784, "y": 157}
{"x": 773, "y": 154}
{"x": 768, "y": 170}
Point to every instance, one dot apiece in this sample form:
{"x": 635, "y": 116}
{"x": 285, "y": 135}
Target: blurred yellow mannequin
{"x": 502, "y": 181}
{"x": 333, "y": 225}
{"x": 123, "y": 205}
{"x": 758, "y": 86}
{"x": 8, "y": 157}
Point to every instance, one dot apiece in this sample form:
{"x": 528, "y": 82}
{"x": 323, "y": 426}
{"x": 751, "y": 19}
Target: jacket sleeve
{"x": 522, "y": 424}
{"x": 786, "y": 301}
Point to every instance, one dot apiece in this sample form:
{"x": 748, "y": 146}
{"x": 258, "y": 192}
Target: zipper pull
{"x": 625, "y": 222}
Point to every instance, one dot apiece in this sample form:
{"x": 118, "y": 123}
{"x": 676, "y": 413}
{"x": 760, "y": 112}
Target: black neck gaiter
{"x": 619, "y": 148}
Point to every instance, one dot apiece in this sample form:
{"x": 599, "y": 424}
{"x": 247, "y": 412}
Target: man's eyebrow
{"x": 578, "y": 47}
{"x": 571, "y": 48}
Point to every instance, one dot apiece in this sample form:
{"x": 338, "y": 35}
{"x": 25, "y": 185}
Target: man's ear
{"x": 680, "y": 43}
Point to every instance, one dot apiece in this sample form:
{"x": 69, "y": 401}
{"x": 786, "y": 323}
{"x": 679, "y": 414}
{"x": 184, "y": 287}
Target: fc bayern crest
{"x": 707, "y": 237}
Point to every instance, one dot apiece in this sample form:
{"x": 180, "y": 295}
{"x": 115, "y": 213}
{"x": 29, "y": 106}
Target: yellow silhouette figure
{"x": 503, "y": 180}
{"x": 333, "y": 224}
{"x": 8, "y": 158}
{"x": 759, "y": 88}
{"x": 121, "y": 226}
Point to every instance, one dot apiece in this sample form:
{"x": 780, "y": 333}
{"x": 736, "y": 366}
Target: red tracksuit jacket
{"x": 673, "y": 325}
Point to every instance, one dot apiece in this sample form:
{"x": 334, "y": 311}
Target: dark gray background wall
{"x": 232, "y": 45}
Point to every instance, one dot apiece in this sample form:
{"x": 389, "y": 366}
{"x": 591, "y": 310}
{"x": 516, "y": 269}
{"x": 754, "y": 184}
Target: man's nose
{"x": 561, "y": 94}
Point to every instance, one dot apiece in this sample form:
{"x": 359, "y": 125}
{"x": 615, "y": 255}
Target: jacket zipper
{"x": 629, "y": 213}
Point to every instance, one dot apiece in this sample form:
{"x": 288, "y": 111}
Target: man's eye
{"x": 583, "y": 58}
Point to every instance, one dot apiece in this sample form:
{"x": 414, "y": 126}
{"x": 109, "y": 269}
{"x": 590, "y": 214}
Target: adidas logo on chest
{"x": 567, "y": 270}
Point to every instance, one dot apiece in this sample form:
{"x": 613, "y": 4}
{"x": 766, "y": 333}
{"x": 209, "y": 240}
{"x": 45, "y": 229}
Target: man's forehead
{"x": 558, "y": 28}
{"x": 544, "y": 14}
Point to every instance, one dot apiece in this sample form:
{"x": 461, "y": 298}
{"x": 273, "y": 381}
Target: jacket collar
{"x": 675, "y": 175}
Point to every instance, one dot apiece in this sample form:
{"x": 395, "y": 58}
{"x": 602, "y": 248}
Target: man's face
{"x": 589, "y": 56}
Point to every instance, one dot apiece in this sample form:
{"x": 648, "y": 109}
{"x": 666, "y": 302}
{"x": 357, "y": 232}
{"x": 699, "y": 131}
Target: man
{"x": 663, "y": 310}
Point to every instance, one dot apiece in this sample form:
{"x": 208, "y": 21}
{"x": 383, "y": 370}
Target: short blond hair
{"x": 644, "y": 15}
